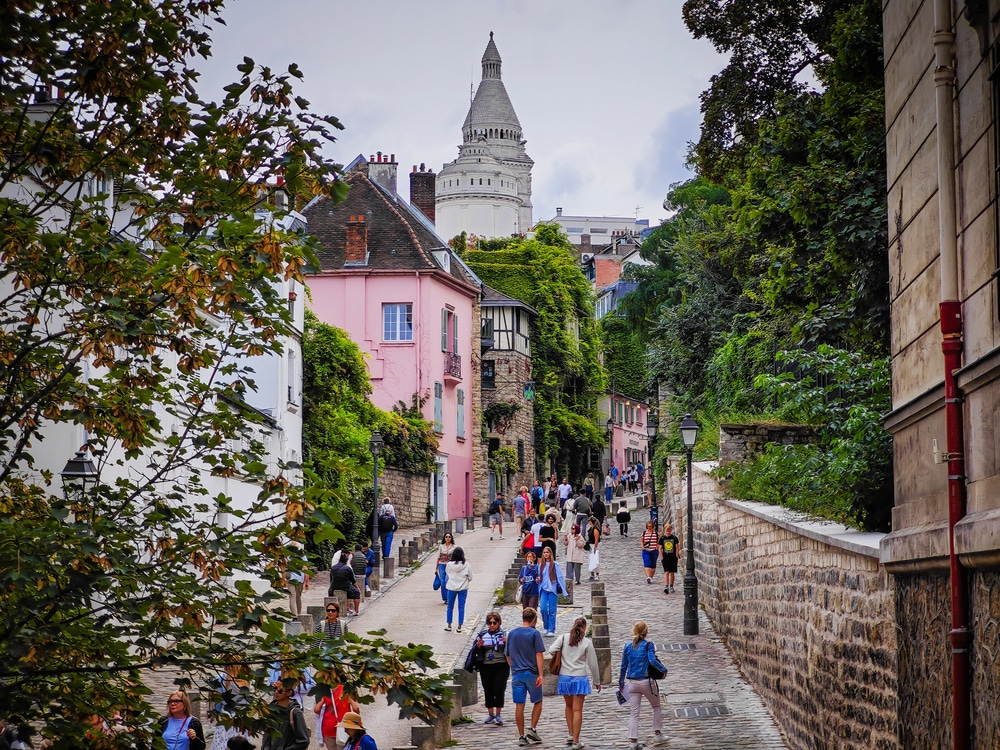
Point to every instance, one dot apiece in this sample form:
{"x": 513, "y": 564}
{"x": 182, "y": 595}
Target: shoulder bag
{"x": 652, "y": 671}
{"x": 555, "y": 663}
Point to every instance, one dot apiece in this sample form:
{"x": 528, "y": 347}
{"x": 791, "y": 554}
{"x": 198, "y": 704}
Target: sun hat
{"x": 351, "y": 720}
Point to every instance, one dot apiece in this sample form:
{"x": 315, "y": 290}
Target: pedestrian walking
{"x": 529, "y": 578}
{"x": 445, "y": 549}
{"x": 650, "y": 550}
{"x": 588, "y": 486}
{"x": 578, "y": 656}
{"x": 331, "y": 709}
{"x": 582, "y": 510}
{"x": 521, "y": 502}
{"x": 575, "y": 553}
{"x": 496, "y": 516}
{"x": 296, "y": 580}
{"x": 536, "y": 534}
{"x": 637, "y": 656}
{"x": 387, "y": 527}
{"x": 357, "y": 736}
{"x": 609, "y": 486}
{"x": 369, "y": 555}
{"x": 669, "y": 547}
{"x": 537, "y": 495}
{"x": 552, "y": 585}
{"x": 593, "y": 537}
{"x": 491, "y": 661}
{"x": 548, "y": 534}
{"x": 599, "y": 511}
{"x": 623, "y": 517}
{"x": 525, "y": 656}
{"x": 459, "y": 577}
{"x": 292, "y": 733}
{"x": 232, "y": 690}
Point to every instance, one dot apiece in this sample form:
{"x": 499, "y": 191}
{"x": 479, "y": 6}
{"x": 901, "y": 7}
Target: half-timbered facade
{"x": 507, "y": 385}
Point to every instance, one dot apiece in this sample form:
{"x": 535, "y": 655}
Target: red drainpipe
{"x": 951, "y": 345}
{"x": 951, "y": 331}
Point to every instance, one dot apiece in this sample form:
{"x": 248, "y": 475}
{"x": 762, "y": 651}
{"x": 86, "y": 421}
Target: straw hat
{"x": 351, "y": 721}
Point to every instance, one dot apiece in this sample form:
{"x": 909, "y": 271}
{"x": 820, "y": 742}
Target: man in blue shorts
{"x": 524, "y": 655}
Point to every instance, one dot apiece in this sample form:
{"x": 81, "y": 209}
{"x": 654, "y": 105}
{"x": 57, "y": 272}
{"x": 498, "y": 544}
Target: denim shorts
{"x": 522, "y": 685}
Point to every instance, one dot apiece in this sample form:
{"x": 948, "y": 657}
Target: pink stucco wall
{"x": 354, "y": 302}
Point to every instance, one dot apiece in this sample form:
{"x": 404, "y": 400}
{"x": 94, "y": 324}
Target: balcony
{"x": 452, "y": 367}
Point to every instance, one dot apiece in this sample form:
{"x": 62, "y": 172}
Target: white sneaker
{"x": 501, "y": 536}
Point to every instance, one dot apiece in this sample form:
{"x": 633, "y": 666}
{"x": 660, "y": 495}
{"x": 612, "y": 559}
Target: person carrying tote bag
{"x": 639, "y": 662}
{"x": 576, "y": 655}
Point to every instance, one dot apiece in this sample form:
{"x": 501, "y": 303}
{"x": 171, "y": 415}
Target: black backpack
{"x": 495, "y": 506}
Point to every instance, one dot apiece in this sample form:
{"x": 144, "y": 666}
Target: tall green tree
{"x": 137, "y": 313}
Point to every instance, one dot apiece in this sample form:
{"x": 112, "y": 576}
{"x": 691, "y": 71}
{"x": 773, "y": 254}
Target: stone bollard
{"x": 604, "y": 664}
{"x": 597, "y": 588}
{"x": 460, "y": 526}
{"x": 293, "y": 627}
{"x": 509, "y": 588}
{"x": 468, "y": 683}
{"x": 375, "y": 579}
{"x": 601, "y": 630}
{"x": 550, "y": 682}
{"x": 388, "y": 569}
{"x": 404, "y": 556}
{"x": 340, "y": 597}
{"x": 317, "y": 611}
{"x": 486, "y": 520}
{"x": 422, "y": 736}
{"x": 454, "y": 694}
{"x": 568, "y": 599}
{"x": 470, "y": 523}
{"x": 599, "y": 611}
{"x": 442, "y": 528}
{"x": 308, "y": 623}
{"x": 414, "y": 551}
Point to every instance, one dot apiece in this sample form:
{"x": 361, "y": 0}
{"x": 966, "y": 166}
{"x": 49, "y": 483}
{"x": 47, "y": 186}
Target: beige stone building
{"x": 942, "y": 99}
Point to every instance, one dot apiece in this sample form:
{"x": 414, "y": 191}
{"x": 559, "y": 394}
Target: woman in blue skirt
{"x": 578, "y": 656}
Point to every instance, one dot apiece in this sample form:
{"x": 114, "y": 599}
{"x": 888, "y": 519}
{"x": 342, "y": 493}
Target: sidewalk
{"x": 706, "y": 703}
{"x": 411, "y": 611}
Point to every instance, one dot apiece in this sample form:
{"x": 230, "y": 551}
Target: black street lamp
{"x": 79, "y": 477}
{"x": 652, "y": 428}
{"x": 375, "y": 445}
{"x": 689, "y": 436}
{"x": 611, "y": 438}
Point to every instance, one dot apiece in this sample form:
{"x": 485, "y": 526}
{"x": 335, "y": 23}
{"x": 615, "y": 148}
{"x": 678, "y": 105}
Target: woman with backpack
{"x": 640, "y": 670}
{"x": 387, "y": 527}
{"x": 496, "y": 516}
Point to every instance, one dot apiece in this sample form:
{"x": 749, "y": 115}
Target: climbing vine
{"x": 500, "y": 415}
{"x": 565, "y": 339}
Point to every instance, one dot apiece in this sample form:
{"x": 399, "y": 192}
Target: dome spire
{"x": 491, "y": 60}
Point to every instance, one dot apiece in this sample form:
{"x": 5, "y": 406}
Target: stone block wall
{"x": 513, "y": 369}
{"x": 811, "y": 619}
{"x": 738, "y": 442}
{"x": 410, "y": 495}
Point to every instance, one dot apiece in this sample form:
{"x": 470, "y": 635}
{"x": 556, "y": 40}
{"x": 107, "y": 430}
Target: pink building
{"x": 626, "y": 425}
{"x": 411, "y": 306}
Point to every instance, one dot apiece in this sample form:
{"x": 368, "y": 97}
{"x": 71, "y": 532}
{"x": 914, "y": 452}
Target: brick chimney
{"x": 422, "y": 190}
{"x": 357, "y": 240}
{"x": 382, "y": 169}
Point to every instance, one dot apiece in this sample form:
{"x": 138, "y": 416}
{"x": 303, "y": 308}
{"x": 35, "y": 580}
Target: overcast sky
{"x": 606, "y": 91}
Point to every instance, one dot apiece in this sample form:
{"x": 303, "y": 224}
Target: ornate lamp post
{"x": 79, "y": 477}
{"x": 611, "y": 441}
{"x": 689, "y": 436}
{"x": 375, "y": 445}
{"x": 652, "y": 428}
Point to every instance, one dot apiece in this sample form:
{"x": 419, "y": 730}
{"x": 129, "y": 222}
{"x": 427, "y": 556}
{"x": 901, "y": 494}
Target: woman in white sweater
{"x": 459, "y": 577}
{"x": 575, "y": 554}
{"x": 578, "y": 656}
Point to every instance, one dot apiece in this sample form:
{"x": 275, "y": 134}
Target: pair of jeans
{"x": 387, "y": 544}
{"x": 573, "y": 571}
{"x": 443, "y": 576}
{"x": 460, "y": 596}
{"x": 548, "y": 601}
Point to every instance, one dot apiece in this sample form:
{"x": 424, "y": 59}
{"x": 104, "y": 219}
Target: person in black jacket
{"x": 342, "y": 579}
{"x": 387, "y": 526}
{"x": 292, "y": 733}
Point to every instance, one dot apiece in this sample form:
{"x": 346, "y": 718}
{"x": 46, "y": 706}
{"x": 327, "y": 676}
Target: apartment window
{"x": 438, "y": 408}
{"x": 489, "y": 373}
{"x": 460, "y": 414}
{"x": 520, "y": 455}
{"x": 397, "y": 322}
{"x": 293, "y": 381}
{"x": 449, "y": 331}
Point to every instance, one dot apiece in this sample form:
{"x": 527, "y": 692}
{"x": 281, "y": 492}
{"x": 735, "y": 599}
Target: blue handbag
{"x": 437, "y": 581}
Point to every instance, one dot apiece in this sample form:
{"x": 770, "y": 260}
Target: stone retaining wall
{"x": 738, "y": 442}
{"x": 410, "y": 495}
{"x": 806, "y": 612}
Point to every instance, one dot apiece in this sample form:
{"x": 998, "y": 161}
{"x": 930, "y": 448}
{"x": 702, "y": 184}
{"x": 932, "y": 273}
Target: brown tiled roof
{"x": 398, "y": 239}
{"x": 495, "y": 298}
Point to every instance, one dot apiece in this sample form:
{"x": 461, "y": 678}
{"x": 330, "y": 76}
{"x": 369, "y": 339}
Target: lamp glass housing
{"x": 376, "y": 443}
{"x": 689, "y": 432}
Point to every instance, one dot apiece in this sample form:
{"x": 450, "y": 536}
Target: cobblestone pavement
{"x": 702, "y": 680}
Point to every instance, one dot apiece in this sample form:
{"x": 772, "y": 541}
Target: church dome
{"x": 491, "y": 106}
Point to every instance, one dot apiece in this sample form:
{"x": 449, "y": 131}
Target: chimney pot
{"x": 392, "y": 158}
{"x": 414, "y": 168}
{"x": 559, "y": 211}
{"x": 371, "y": 158}
{"x": 421, "y": 166}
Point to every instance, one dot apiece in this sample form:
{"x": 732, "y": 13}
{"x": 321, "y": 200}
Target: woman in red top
{"x": 332, "y": 710}
{"x": 650, "y": 550}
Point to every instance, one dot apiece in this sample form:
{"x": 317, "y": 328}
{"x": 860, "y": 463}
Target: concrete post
{"x": 308, "y": 623}
{"x": 388, "y": 568}
{"x": 469, "y": 685}
{"x": 568, "y": 599}
{"x": 550, "y": 682}
{"x": 293, "y": 627}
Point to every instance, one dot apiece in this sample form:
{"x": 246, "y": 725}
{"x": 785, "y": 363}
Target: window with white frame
{"x": 397, "y": 322}
{"x": 460, "y": 413}
{"x": 438, "y": 408}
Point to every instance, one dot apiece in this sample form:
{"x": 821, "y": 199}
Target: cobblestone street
{"x": 703, "y": 680}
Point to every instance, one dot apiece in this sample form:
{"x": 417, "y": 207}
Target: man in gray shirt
{"x": 525, "y": 656}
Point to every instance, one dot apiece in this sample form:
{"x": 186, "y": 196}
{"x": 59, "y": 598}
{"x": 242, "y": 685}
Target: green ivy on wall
{"x": 565, "y": 340}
